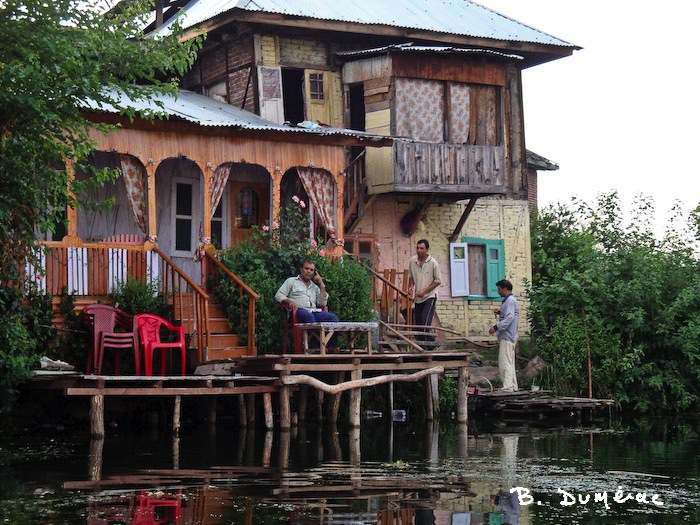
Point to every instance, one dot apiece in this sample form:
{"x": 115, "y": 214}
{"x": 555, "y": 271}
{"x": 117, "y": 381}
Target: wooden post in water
{"x": 176, "y": 415}
{"x": 95, "y": 465}
{"x": 302, "y": 403}
{"x": 211, "y": 417}
{"x": 333, "y": 400}
{"x": 285, "y": 411}
{"x": 462, "y": 382}
{"x": 242, "y": 416}
{"x": 250, "y": 409}
{"x": 429, "y": 407}
{"x": 97, "y": 416}
{"x": 267, "y": 407}
{"x": 285, "y": 442}
{"x": 355, "y": 395}
{"x": 267, "y": 449}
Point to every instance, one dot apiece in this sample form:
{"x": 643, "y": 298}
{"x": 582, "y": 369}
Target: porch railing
{"x": 392, "y": 299}
{"x": 95, "y": 270}
{"x": 190, "y": 303}
{"x": 243, "y": 289}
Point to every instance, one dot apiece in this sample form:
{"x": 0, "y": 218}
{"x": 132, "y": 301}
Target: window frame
{"x": 193, "y": 216}
{"x": 495, "y": 267}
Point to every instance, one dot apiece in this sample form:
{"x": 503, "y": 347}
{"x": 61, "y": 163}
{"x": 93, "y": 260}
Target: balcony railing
{"x": 442, "y": 167}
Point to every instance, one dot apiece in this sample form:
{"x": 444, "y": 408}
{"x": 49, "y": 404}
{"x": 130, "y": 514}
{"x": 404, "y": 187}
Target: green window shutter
{"x": 495, "y": 265}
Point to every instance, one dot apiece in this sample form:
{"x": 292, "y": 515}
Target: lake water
{"x": 387, "y": 474}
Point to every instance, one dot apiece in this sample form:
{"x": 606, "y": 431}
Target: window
{"x": 183, "y": 217}
{"x": 476, "y": 265}
{"x": 363, "y": 248}
{"x": 316, "y": 87}
{"x": 217, "y": 226}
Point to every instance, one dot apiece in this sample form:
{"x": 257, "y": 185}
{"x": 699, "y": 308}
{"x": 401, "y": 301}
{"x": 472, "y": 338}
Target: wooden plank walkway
{"x": 540, "y": 403}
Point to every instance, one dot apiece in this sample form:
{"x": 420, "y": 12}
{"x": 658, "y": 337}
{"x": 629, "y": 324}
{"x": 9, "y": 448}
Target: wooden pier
{"x": 539, "y": 404}
{"x": 281, "y": 376}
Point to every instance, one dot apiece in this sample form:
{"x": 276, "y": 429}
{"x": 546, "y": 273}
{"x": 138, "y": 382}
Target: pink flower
{"x": 322, "y": 252}
{"x": 266, "y": 228}
{"x": 314, "y": 244}
{"x": 302, "y": 204}
{"x": 296, "y": 199}
{"x": 39, "y": 277}
{"x": 275, "y": 225}
{"x": 376, "y": 243}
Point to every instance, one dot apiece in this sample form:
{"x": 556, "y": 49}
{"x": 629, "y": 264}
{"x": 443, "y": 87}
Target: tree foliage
{"x": 616, "y": 290}
{"x": 56, "y": 57}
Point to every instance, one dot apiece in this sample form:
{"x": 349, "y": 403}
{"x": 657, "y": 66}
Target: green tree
{"x": 56, "y": 58}
{"x": 612, "y": 289}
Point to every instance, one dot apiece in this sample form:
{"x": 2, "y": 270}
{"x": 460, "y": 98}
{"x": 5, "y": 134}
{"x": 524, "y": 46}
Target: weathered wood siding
{"x": 429, "y": 167}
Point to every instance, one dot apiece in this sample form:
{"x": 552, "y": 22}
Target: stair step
{"x": 230, "y": 352}
{"x": 223, "y": 340}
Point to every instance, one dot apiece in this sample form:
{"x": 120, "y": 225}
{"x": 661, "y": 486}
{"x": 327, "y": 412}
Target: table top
{"x": 341, "y": 326}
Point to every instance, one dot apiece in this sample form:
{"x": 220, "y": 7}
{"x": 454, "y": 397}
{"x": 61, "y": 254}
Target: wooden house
{"x": 194, "y": 181}
{"x": 443, "y": 78}
{"x": 433, "y": 93}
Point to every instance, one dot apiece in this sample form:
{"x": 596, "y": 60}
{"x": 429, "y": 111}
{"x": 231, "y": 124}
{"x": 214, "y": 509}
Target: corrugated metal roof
{"x": 458, "y": 17}
{"x": 205, "y": 111}
{"x": 426, "y": 49}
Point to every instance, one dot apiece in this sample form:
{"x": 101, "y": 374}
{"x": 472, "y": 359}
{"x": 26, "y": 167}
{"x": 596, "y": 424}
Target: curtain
{"x": 134, "y": 175}
{"x": 218, "y": 182}
{"x": 320, "y": 187}
{"x": 420, "y": 109}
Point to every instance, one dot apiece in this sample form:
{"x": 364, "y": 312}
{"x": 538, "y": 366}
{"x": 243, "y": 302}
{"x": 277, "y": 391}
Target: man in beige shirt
{"x": 423, "y": 281}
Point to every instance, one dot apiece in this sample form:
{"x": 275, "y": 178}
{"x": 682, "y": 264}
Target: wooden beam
{"x": 463, "y": 219}
{"x": 359, "y": 383}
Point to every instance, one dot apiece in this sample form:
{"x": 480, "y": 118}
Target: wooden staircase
{"x": 223, "y": 343}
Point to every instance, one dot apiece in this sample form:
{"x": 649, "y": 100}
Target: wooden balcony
{"x": 424, "y": 167}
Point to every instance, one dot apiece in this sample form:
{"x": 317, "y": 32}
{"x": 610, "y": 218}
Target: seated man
{"x": 306, "y": 294}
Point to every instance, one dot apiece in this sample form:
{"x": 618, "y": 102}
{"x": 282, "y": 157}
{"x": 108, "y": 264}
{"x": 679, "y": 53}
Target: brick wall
{"x": 490, "y": 219}
{"x": 310, "y": 53}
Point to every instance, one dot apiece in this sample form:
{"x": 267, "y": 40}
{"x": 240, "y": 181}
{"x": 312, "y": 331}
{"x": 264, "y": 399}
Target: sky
{"x": 621, "y": 113}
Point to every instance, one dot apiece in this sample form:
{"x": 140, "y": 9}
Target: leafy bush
{"x": 137, "y": 296}
{"x": 272, "y": 254}
{"x": 632, "y": 298}
{"x": 24, "y": 332}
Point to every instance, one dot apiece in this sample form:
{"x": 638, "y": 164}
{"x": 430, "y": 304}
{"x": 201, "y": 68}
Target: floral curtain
{"x": 134, "y": 175}
{"x": 320, "y": 187}
{"x": 218, "y": 183}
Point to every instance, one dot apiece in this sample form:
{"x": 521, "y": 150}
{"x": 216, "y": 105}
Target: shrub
{"x": 272, "y": 254}
{"x": 138, "y": 296}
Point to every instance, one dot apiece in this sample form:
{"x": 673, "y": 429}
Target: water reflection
{"x": 384, "y": 474}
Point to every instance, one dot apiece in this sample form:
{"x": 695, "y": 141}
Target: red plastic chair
{"x": 149, "y": 328}
{"x": 112, "y": 328}
{"x": 292, "y": 322}
{"x": 157, "y": 508}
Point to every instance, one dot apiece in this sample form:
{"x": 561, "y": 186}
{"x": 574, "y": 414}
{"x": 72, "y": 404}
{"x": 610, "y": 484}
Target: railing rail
{"x": 97, "y": 269}
{"x": 243, "y": 288}
{"x": 390, "y": 298}
{"x": 190, "y": 302}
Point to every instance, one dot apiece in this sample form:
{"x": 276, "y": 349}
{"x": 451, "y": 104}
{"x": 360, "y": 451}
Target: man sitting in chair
{"x": 306, "y": 294}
